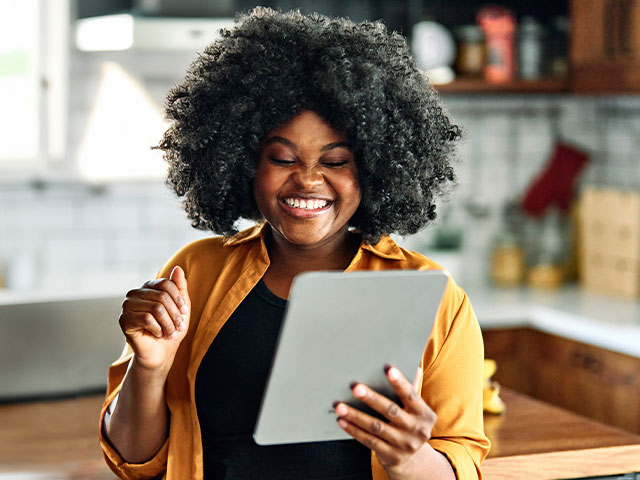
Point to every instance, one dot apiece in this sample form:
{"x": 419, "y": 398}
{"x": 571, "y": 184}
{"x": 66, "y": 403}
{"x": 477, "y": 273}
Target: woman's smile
{"x": 305, "y": 207}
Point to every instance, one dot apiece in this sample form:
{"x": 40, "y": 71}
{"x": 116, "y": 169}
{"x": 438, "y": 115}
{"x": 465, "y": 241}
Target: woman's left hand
{"x": 401, "y": 444}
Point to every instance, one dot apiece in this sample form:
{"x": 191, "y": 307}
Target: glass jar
{"x": 471, "y": 55}
{"x": 530, "y": 48}
{"x": 507, "y": 261}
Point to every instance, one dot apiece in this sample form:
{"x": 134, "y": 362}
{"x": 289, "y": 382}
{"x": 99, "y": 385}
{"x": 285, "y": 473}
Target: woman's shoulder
{"x": 206, "y": 255}
{"x": 217, "y": 248}
{"x": 454, "y": 295}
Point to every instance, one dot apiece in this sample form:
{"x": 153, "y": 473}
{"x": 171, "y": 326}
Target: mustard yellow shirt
{"x": 222, "y": 271}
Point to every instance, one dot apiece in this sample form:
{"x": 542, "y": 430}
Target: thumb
{"x": 417, "y": 380}
{"x": 177, "y": 277}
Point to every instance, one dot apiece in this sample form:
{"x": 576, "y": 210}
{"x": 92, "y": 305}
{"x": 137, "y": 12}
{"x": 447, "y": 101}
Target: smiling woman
{"x": 325, "y": 132}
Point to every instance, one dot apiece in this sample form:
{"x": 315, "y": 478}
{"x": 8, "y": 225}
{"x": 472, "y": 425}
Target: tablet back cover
{"x": 340, "y": 328}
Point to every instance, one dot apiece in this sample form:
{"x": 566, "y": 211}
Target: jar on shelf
{"x": 499, "y": 25}
{"x": 558, "y": 47}
{"x": 531, "y": 35}
{"x": 471, "y": 55}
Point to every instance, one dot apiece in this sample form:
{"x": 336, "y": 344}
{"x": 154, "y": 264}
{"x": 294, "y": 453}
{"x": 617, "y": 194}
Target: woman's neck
{"x": 289, "y": 260}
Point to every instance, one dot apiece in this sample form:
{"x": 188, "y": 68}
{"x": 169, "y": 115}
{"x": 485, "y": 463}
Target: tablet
{"x": 339, "y": 328}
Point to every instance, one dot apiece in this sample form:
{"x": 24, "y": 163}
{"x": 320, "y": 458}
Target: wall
{"x": 84, "y": 237}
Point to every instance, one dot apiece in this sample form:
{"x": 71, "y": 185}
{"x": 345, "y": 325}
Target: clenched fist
{"x": 155, "y": 319}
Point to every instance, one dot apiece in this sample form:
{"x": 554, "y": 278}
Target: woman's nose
{"x": 308, "y": 177}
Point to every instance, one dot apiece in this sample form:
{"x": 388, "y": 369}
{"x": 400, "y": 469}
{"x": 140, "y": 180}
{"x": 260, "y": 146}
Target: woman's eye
{"x": 335, "y": 164}
{"x": 280, "y": 161}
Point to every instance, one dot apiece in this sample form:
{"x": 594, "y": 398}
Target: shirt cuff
{"x": 463, "y": 465}
{"x": 152, "y": 468}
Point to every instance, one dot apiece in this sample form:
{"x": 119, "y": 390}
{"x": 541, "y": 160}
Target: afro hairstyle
{"x": 359, "y": 77}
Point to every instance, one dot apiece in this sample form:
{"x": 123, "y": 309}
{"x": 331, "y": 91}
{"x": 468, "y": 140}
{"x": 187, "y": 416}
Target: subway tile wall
{"x": 78, "y": 237}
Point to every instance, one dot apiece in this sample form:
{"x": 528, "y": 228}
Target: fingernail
{"x": 393, "y": 373}
{"x": 180, "y": 326}
{"x": 342, "y": 423}
{"x": 173, "y": 335}
{"x": 341, "y": 409}
{"x": 184, "y": 310}
{"x": 359, "y": 391}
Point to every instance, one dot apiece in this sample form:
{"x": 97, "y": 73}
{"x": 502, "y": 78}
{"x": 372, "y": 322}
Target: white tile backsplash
{"x": 86, "y": 237}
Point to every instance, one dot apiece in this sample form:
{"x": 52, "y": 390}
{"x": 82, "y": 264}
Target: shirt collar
{"x": 251, "y": 233}
{"x": 385, "y": 248}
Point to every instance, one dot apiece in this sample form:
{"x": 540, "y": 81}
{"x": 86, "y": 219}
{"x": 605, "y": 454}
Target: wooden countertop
{"x": 535, "y": 440}
{"x": 532, "y": 440}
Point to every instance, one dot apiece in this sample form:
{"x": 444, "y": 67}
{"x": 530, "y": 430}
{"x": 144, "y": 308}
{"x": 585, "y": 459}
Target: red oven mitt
{"x": 554, "y": 185}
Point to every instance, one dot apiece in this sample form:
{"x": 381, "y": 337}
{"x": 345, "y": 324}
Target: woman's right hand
{"x": 155, "y": 319}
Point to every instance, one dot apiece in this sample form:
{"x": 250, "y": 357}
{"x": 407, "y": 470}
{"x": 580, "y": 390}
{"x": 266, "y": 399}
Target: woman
{"x": 325, "y": 132}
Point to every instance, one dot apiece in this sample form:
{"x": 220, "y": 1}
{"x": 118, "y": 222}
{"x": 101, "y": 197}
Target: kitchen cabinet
{"x": 585, "y": 379}
{"x": 605, "y": 46}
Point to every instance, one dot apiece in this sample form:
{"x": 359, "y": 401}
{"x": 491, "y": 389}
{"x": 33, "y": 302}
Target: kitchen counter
{"x": 58, "y": 439}
{"x": 534, "y": 439}
{"x": 570, "y": 312}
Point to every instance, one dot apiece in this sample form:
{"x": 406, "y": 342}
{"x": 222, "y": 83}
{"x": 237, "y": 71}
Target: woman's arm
{"x": 139, "y": 423}
{"x": 154, "y": 319}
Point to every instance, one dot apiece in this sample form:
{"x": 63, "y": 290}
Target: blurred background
{"x": 546, "y": 208}
{"x": 82, "y": 205}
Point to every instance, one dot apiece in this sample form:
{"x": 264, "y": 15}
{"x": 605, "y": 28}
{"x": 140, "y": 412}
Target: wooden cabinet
{"x": 605, "y": 46}
{"x": 588, "y": 380}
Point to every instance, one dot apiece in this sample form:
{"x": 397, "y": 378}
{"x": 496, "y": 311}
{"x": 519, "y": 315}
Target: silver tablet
{"x": 340, "y": 328}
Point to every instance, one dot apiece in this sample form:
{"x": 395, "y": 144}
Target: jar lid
{"x": 469, "y": 33}
{"x": 530, "y": 25}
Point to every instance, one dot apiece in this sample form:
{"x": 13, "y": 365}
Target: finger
{"x": 162, "y": 297}
{"x": 180, "y": 298}
{"x": 136, "y": 322}
{"x": 383, "y": 405}
{"x": 384, "y": 452}
{"x": 406, "y": 392}
{"x": 398, "y": 438}
{"x": 417, "y": 380}
{"x": 180, "y": 280}
{"x": 159, "y": 312}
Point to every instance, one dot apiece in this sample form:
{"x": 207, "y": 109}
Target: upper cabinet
{"x": 605, "y": 46}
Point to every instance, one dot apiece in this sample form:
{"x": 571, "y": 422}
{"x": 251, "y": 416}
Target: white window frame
{"x": 52, "y": 102}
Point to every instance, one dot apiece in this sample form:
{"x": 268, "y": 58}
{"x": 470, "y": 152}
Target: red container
{"x": 499, "y": 25}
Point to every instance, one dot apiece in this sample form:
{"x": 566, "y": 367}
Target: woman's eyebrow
{"x": 331, "y": 146}
{"x": 282, "y": 140}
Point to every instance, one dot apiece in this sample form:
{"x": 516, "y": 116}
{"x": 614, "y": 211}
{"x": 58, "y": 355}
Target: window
{"x": 33, "y": 70}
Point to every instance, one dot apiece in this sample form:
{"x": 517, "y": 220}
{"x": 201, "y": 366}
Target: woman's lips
{"x": 304, "y": 207}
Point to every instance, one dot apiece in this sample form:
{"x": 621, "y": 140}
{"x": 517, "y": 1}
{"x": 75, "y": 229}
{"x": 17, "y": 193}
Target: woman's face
{"x": 306, "y": 182}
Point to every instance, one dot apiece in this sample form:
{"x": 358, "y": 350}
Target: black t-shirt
{"x": 229, "y": 387}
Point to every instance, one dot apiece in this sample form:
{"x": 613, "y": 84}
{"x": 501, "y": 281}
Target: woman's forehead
{"x": 306, "y": 128}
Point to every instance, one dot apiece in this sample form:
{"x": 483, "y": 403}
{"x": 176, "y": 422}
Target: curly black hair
{"x": 360, "y": 77}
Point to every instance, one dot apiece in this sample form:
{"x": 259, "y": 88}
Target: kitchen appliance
{"x": 129, "y": 31}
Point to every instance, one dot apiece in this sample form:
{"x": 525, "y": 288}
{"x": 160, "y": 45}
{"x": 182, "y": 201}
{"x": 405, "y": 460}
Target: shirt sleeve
{"x": 452, "y": 385}
{"x": 156, "y": 466}
{"x": 152, "y": 468}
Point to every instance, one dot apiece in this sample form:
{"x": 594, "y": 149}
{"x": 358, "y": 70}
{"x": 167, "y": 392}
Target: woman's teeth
{"x": 308, "y": 204}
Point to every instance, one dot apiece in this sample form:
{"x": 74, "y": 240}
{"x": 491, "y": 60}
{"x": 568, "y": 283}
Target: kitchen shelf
{"x": 479, "y": 86}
